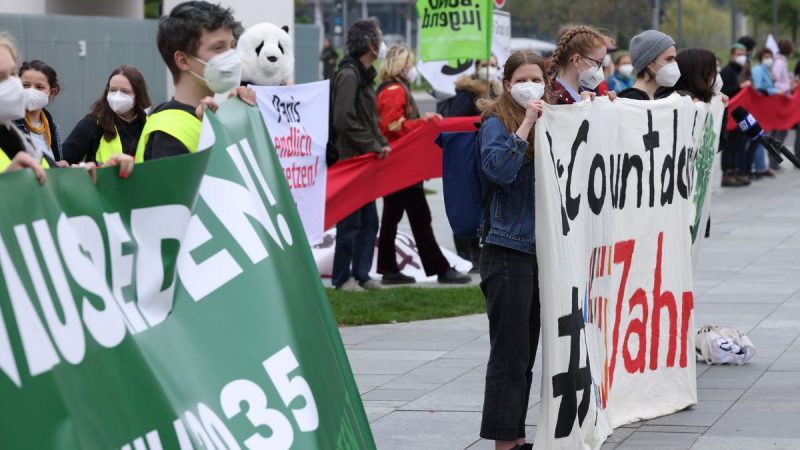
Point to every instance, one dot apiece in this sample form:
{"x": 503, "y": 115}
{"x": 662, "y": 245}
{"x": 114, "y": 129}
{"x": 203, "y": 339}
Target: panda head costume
{"x": 267, "y": 55}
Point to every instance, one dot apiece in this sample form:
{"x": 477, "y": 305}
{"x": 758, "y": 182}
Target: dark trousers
{"x": 779, "y": 135}
{"x": 412, "y": 201}
{"x": 510, "y": 283}
{"x": 735, "y": 146}
{"x": 355, "y": 245}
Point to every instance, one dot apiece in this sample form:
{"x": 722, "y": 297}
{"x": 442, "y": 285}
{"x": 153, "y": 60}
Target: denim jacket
{"x": 511, "y": 208}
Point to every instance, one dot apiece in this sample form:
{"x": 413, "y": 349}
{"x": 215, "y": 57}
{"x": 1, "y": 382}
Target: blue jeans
{"x": 760, "y": 160}
{"x": 355, "y": 245}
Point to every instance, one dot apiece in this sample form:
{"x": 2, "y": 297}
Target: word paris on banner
{"x": 615, "y": 208}
{"x": 297, "y": 119}
{"x": 177, "y": 309}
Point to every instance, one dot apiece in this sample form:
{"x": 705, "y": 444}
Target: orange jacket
{"x": 398, "y": 116}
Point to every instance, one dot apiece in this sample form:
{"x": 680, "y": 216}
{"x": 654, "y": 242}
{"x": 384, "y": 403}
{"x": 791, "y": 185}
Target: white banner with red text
{"x": 615, "y": 210}
{"x": 297, "y": 119}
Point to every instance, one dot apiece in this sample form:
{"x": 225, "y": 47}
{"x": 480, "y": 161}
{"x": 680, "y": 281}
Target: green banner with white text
{"x": 179, "y": 308}
{"x": 455, "y": 29}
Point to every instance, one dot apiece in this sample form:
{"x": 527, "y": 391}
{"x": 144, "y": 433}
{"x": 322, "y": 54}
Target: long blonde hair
{"x": 8, "y": 42}
{"x": 505, "y": 107}
{"x": 397, "y": 58}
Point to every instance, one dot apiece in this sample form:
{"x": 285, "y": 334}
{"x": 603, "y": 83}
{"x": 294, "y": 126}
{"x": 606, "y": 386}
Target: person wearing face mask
{"x": 509, "y": 273}
{"x": 622, "y": 78}
{"x": 763, "y": 83}
{"x": 736, "y": 143}
{"x": 356, "y": 132}
{"x": 400, "y": 116}
{"x": 578, "y": 64}
{"x": 115, "y": 122}
{"x": 483, "y": 83}
{"x": 196, "y": 41}
{"x": 653, "y": 59}
{"x": 41, "y": 84}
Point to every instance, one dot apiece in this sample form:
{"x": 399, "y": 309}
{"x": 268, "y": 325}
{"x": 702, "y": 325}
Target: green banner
{"x": 455, "y": 29}
{"x": 179, "y": 308}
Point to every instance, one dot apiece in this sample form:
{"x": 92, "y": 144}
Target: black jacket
{"x": 55, "y": 139}
{"x": 731, "y": 79}
{"x": 82, "y": 143}
{"x": 354, "y": 110}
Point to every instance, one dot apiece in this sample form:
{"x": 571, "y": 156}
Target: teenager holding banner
{"x": 509, "y": 274}
{"x": 399, "y": 116}
{"x": 41, "y": 85}
{"x": 578, "y": 64}
{"x": 196, "y": 41}
{"x": 115, "y": 122}
{"x": 653, "y": 58}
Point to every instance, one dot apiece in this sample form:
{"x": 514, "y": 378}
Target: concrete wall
{"x": 133, "y": 9}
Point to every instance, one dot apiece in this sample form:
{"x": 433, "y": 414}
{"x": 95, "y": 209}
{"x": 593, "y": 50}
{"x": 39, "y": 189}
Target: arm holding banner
{"x": 392, "y": 103}
{"x": 502, "y": 153}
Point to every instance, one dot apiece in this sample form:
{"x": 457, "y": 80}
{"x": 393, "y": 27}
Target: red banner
{"x": 773, "y": 112}
{"x": 354, "y": 182}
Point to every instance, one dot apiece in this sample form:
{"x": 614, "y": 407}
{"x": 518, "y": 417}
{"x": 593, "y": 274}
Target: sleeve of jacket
{"x": 78, "y": 145}
{"x": 730, "y": 85}
{"x": 780, "y": 71}
{"x": 502, "y": 153}
{"x": 392, "y": 104}
{"x": 345, "y": 121}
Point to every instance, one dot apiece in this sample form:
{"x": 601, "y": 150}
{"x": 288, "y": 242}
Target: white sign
{"x": 615, "y": 185}
{"x": 442, "y": 75}
{"x": 297, "y": 120}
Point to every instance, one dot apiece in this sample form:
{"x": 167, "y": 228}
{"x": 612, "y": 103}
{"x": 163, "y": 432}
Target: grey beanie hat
{"x": 646, "y": 46}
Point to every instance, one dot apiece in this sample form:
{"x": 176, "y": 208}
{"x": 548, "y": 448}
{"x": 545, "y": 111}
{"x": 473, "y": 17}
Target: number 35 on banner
{"x": 211, "y": 432}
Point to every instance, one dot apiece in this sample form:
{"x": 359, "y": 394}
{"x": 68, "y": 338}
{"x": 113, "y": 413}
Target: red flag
{"x": 773, "y": 112}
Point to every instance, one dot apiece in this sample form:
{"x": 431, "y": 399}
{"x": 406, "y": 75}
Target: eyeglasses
{"x": 599, "y": 63}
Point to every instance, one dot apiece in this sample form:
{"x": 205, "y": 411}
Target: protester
{"x": 622, "y": 77}
{"x": 483, "y": 83}
{"x": 41, "y": 84}
{"x": 399, "y": 116}
{"x": 577, "y": 63}
{"x": 328, "y": 58}
{"x": 115, "y": 121}
{"x": 653, "y": 58}
{"x": 509, "y": 273}
{"x": 15, "y": 146}
{"x": 783, "y": 85}
{"x": 762, "y": 81}
{"x": 733, "y": 81}
{"x": 196, "y": 41}
{"x": 698, "y": 75}
{"x": 357, "y": 133}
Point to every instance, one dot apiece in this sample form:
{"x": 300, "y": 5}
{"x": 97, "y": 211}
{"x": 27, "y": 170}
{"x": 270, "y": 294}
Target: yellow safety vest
{"x": 107, "y": 149}
{"x": 177, "y": 123}
{"x": 4, "y": 160}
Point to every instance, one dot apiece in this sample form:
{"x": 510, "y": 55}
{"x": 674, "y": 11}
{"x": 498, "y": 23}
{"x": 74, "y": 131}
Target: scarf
{"x": 43, "y": 128}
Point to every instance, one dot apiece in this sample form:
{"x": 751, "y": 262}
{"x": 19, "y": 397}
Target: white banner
{"x": 615, "y": 186}
{"x": 297, "y": 119}
{"x": 442, "y": 75}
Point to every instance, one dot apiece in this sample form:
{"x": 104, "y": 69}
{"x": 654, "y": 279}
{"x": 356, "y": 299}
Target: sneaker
{"x": 743, "y": 181}
{"x": 369, "y": 285}
{"x": 350, "y": 286}
{"x": 397, "y": 278}
{"x": 454, "y": 277}
{"x": 767, "y": 173}
{"x": 730, "y": 181}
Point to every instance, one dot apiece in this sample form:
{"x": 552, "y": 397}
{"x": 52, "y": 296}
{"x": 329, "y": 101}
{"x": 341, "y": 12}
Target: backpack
{"x": 723, "y": 345}
{"x": 331, "y": 152}
{"x": 466, "y": 190}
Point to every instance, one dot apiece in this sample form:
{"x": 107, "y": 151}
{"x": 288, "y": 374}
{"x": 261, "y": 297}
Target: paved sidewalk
{"x": 422, "y": 382}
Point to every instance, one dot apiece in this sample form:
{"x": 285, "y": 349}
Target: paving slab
{"x": 422, "y": 382}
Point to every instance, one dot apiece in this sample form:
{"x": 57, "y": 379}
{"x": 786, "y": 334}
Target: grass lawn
{"x": 404, "y": 304}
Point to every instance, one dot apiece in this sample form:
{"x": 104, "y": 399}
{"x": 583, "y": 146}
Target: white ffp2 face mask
{"x": 668, "y": 75}
{"x": 223, "y": 72}
{"x": 35, "y": 99}
{"x": 119, "y": 102}
{"x": 626, "y": 69}
{"x": 412, "y": 75}
{"x": 740, "y": 60}
{"x": 591, "y": 77}
{"x": 717, "y": 85}
{"x": 489, "y": 73}
{"x": 526, "y": 91}
{"x": 12, "y": 99}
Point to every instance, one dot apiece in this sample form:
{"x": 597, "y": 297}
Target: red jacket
{"x": 398, "y": 115}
